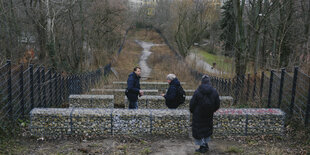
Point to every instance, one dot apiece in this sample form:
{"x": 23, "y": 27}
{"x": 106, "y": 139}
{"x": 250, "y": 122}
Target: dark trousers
{"x": 133, "y": 104}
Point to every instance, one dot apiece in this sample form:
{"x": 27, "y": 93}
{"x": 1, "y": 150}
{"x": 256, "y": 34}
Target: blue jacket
{"x": 171, "y": 101}
{"x": 203, "y": 104}
{"x": 133, "y": 87}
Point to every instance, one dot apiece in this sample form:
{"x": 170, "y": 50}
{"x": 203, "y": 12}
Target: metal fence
{"x": 23, "y": 88}
{"x": 275, "y": 89}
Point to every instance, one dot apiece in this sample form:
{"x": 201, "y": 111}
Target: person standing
{"x": 204, "y": 103}
{"x": 133, "y": 88}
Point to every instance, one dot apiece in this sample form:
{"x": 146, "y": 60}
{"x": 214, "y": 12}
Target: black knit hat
{"x": 205, "y": 79}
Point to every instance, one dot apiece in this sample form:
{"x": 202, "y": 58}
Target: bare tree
{"x": 191, "y": 18}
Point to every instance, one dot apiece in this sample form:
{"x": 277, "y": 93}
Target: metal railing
{"x": 275, "y": 89}
{"x": 23, "y": 88}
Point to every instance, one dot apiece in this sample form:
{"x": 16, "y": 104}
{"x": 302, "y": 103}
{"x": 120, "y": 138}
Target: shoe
{"x": 203, "y": 149}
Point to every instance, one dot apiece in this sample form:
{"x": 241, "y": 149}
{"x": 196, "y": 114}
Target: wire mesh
{"x": 275, "y": 91}
{"x": 23, "y": 88}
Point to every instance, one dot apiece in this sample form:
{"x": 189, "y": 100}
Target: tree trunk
{"x": 240, "y": 47}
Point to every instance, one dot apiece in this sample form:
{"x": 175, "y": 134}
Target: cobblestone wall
{"x": 122, "y": 91}
{"x": 91, "y": 101}
{"x": 88, "y": 122}
{"x": 158, "y": 102}
{"x": 145, "y": 85}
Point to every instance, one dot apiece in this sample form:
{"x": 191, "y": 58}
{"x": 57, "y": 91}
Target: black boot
{"x": 203, "y": 148}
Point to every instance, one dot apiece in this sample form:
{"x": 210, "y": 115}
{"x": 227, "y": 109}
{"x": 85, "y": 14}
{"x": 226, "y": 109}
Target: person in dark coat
{"x": 133, "y": 88}
{"x": 171, "y": 95}
{"x": 203, "y": 104}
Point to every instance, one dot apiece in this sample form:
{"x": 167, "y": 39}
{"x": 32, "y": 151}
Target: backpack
{"x": 180, "y": 95}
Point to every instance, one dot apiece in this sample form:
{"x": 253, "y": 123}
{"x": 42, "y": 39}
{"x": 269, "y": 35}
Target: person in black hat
{"x": 203, "y": 104}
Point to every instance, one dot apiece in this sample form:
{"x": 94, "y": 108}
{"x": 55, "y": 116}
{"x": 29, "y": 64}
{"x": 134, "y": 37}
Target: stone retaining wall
{"x": 97, "y": 122}
{"x": 145, "y": 85}
{"x": 158, "y": 102}
{"x": 258, "y": 121}
{"x": 188, "y": 92}
{"x": 122, "y": 91}
{"x": 119, "y": 94}
{"x": 82, "y": 121}
{"x": 91, "y": 101}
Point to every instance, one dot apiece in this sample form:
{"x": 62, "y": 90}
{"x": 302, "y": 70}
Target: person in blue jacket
{"x": 133, "y": 88}
{"x": 171, "y": 95}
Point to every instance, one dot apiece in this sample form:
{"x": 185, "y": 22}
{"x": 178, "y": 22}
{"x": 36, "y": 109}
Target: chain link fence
{"x": 275, "y": 89}
{"x": 23, "y": 88}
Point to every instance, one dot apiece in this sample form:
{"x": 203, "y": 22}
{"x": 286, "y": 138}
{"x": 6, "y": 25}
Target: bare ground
{"x": 115, "y": 145}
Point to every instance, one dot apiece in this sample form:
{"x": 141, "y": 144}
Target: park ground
{"x": 295, "y": 140}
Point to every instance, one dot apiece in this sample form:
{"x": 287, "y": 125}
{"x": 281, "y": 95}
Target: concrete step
{"x": 158, "y": 102}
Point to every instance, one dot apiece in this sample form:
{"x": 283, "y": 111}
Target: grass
{"x": 223, "y": 63}
{"x": 146, "y": 151}
{"x": 234, "y": 149}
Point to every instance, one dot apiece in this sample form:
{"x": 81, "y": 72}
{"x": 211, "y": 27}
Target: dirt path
{"x": 202, "y": 64}
{"x": 146, "y": 70}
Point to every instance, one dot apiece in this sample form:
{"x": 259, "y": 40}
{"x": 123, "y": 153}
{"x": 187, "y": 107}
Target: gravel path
{"x": 146, "y": 70}
{"x": 202, "y": 64}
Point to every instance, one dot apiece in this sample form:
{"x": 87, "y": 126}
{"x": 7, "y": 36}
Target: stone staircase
{"x": 96, "y": 114}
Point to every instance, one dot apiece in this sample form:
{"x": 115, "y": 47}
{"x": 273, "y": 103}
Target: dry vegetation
{"x": 148, "y": 36}
{"x": 162, "y": 60}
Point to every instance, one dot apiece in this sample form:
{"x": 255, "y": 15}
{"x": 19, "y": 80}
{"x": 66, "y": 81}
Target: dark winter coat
{"x": 203, "y": 104}
{"x": 171, "y": 95}
{"x": 133, "y": 87}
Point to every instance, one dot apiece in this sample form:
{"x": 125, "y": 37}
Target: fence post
{"x": 236, "y": 89}
{"x": 225, "y": 87}
{"x": 39, "y": 87}
{"x": 262, "y": 84}
{"x": 73, "y": 84}
{"x": 270, "y": 89}
{"x": 10, "y": 107}
{"x": 60, "y": 92}
{"x": 68, "y": 85}
{"x": 50, "y": 87}
{"x": 64, "y": 90}
{"x": 281, "y": 87}
{"x": 44, "y": 87}
{"x": 31, "y": 87}
{"x": 248, "y": 89}
{"x": 222, "y": 84}
{"x": 293, "y": 90}
{"x": 61, "y": 89}
{"x": 308, "y": 107}
{"x": 55, "y": 90}
{"x": 80, "y": 82}
{"x": 21, "y": 89}
{"x": 229, "y": 86}
{"x": 68, "y": 88}
{"x": 254, "y": 87}
{"x": 242, "y": 87}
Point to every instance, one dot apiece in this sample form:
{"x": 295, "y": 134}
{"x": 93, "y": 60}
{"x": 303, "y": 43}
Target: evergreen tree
{"x": 228, "y": 28}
